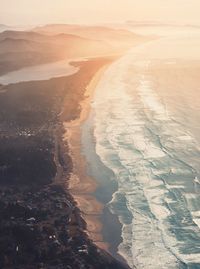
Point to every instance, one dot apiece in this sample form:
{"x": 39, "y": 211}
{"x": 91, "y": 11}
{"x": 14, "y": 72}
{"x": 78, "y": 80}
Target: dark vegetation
{"x": 40, "y": 225}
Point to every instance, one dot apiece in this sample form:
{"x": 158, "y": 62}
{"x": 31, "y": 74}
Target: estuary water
{"x": 40, "y": 72}
{"x": 146, "y": 128}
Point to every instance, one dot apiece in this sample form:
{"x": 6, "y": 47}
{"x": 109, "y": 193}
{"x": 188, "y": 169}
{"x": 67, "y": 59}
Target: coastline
{"x": 90, "y": 191}
{"x": 90, "y": 208}
{"x": 42, "y": 225}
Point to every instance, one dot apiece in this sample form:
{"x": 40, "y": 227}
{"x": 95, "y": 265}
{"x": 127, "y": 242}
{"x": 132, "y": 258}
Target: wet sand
{"x": 38, "y": 188}
{"x": 81, "y": 186}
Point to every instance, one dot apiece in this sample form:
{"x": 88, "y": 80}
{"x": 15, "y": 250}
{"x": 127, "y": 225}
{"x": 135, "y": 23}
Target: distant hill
{"x": 57, "y": 42}
{"x": 117, "y": 38}
{"x": 20, "y": 45}
{"x": 21, "y": 35}
{"x": 63, "y": 45}
{"x": 19, "y": 49}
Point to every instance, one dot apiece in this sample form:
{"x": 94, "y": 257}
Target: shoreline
{"x": 106, "y": 187}
{"x": 90, "y": 208}
{"x": 86, "y": 194}
{"x": 88, "y": 191}
{"x": 42, "y": 225}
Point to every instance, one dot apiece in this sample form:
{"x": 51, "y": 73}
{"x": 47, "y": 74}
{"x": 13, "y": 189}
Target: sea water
{"x": 146, "y": 115}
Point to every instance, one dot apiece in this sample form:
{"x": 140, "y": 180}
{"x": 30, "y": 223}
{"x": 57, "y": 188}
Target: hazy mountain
{"x": 21, "y": 35}
{"x": 19, "y": 49}
{"x": 57, "y": 42}
{"x": 118, "y": 38}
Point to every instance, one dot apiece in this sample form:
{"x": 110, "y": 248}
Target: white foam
{"x": 185, "y": 138}
{"x": 197, "y": 221}
{"x": 151, "y": 100}
{"x": 120, "y": 118}
{"x": 151, "y": 177}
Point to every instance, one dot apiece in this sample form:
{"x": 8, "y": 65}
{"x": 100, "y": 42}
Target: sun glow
{"x": 87, "y": 11}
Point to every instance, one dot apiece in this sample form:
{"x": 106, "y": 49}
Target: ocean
{"x": 145, "y": 127}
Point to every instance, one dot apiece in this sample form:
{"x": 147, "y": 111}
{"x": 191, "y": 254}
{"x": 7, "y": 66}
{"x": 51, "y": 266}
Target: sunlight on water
{"x": 141, "y": 134}
{"x": 39, "y": 72}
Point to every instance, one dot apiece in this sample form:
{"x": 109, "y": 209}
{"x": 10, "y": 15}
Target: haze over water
{"x": 39, "y": 72}
{"x": 146, "y": 127}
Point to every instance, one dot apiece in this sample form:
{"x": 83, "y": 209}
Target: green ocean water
{"x": 146, "y": 116}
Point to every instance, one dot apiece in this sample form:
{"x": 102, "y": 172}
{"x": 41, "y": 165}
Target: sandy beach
{"x": 57, "y": 224}
{"x": 83, "y": 193}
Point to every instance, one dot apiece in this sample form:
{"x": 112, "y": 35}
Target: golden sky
{"x": 94, "y": 11}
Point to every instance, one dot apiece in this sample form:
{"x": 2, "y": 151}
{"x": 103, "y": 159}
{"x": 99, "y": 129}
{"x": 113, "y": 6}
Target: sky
{"x": 35, "y": 12}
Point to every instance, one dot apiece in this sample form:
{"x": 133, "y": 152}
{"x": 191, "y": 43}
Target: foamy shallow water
{"x": 39, "y": 72}
{"x": 141, "y": 135}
